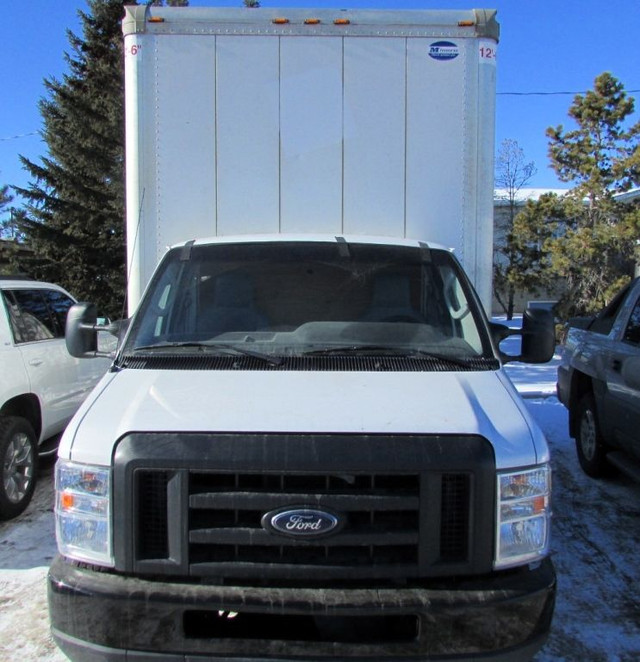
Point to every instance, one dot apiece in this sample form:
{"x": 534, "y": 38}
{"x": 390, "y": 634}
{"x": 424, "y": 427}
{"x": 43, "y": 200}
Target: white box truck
{"x": 238, "y": 123}
{"x": 306, "y": 447}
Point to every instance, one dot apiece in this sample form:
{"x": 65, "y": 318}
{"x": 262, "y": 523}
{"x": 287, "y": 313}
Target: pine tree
{"x": 600, "y": 157}
{"x": 5, "y": 198}
{"x": 75, "y": 213}
{"x": 5, "y": 224}
{"x": 539, "y": 222}
{"x": 74, "y": 219}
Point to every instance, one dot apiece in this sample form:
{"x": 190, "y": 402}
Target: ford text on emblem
{"x": 301, "y": 522}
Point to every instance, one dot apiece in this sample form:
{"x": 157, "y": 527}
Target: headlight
{"x": 524, "y": 516}
{"x": 82, "y": 511}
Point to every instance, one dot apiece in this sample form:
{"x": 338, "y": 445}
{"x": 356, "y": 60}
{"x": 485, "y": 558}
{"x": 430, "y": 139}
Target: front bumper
{"x": 104, "y": 616}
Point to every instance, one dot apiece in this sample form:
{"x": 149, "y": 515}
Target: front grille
{"x": 380, "y": 534}
{"x": 403, "y": 515}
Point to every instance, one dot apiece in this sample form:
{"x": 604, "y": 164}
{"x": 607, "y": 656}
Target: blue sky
{"x": 546, "y": 46}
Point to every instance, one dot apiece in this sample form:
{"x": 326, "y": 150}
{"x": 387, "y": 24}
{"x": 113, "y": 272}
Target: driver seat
{"x": 391, "y": 300}
{"x": 233, "y": 308}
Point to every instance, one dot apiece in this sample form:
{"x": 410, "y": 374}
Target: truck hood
{"x": 456, "y": 403}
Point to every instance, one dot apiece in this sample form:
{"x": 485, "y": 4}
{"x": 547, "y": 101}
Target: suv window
{"x": 59, "y": 304}
{"x": 36, "y": 314}
{"x": 603, "y": 323}
{"x": 632, "y": 332}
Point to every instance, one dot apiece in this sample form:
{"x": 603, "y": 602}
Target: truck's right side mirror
{"x": 81, "y": 335}
{"x": 538, "y": 336}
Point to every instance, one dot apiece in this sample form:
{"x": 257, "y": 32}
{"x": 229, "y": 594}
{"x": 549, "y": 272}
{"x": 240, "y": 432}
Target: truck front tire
{"x": 18, "y": 462}
{"x": 590, "y": 446}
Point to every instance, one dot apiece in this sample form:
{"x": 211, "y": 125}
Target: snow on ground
{"x": 24, "y": 624}
{"x": 595, "y": 542}
{"x": 595, "y": 536}
{"x": 27, "y": 546}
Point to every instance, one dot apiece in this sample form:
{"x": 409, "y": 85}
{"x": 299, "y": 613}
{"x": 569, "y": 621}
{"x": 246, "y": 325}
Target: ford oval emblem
{"x": 301, "y": 522}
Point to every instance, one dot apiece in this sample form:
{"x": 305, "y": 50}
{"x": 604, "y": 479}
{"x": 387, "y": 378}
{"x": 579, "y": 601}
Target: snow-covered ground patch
{"x": 24, "y": 624}
{"x": 595, "y": 542}
{"x": 27, "y": 546}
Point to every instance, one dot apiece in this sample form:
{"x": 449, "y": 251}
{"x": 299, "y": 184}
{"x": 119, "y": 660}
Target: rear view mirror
{"x": 538, "y": 337}
{"x": 81, "y": 333}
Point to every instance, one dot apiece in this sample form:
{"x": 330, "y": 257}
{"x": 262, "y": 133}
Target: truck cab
{"x": 306, "y": 447}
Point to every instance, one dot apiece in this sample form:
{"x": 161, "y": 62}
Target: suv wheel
{"x": 18, "y": 461}
{"x": 590, "y": 446}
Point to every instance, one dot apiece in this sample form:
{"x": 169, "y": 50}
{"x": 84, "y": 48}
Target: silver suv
{"x": 41, "y": 384}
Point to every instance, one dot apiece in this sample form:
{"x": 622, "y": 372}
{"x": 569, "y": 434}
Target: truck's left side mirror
{"x": 81, "y": 333}
{"x": 538, "y": 337}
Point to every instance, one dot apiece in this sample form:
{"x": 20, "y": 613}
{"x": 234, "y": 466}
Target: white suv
{"x": 41, "y": 384}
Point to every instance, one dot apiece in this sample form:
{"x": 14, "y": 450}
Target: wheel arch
{"x": 25, "y": 406}
{"x": 581, "y": 385}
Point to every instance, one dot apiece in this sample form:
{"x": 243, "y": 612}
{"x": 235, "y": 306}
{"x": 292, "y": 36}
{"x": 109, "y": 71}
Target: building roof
{"x": 501, "y": 195}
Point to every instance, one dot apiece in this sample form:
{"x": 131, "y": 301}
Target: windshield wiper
{"x": 234, "y": 349}
{"x": 351, "y": 349}
{"x": 456, "y": 360}
{"x": 225, "y": 348}
{"x": 170, "y": 345}
{"x": 391, "y": 350}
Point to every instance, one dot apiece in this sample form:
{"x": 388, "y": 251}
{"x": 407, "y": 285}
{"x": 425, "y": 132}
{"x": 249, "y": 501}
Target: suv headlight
{"x": 524, "y": 516}
{"x": 82, "y": 512}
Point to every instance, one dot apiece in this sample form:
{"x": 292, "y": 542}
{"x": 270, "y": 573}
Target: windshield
{"x": 299, "y": 298}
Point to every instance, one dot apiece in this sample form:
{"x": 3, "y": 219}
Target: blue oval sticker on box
{"x": 444, "y": 50}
